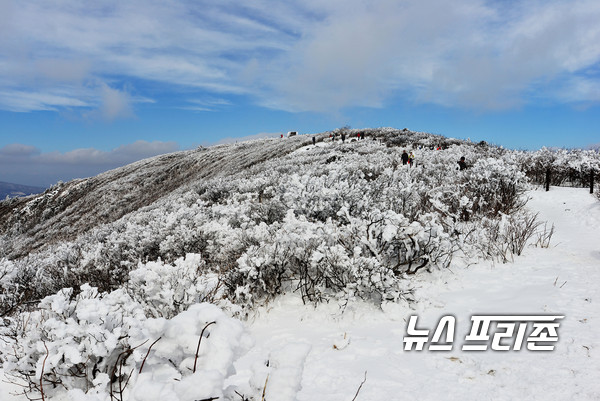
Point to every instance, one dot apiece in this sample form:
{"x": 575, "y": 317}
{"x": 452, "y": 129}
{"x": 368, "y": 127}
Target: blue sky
{"x": 89, "y": 86}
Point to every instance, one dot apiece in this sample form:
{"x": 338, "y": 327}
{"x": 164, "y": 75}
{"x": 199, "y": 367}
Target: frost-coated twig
{"x": 359, "y": 387}
{"x": 199, "y": 341}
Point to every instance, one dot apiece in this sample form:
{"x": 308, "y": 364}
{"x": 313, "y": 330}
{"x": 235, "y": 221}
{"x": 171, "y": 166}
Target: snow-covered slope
{"x": 320, "y": 354}
{"x": 68, "y": 209}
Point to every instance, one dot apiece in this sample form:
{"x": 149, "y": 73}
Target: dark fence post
{"x": 592, "y": 182}
{"x": 547, "y": 180}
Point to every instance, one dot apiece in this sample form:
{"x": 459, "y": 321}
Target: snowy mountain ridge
{"x": 68, "y": 209}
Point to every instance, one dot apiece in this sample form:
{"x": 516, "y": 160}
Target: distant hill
{"x": 14, "y": 190}
{"x": 595, "y": 146}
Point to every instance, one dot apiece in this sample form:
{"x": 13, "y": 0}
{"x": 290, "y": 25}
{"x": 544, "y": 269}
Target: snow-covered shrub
{"x": 102, "y": 344}
{"x": 504, "y": 238}
{"x": 398, "y": 243}
{"x": 166, "y": 290}
{"x": 9, "y": 294}
{"x": 279, "y": 259}
{"x": 494, "y": 187}
{"x": 357, "y": 257}
{"x": 193, "y": 355}
{"x": 72, "y": 341}
{"x": 17, "y": 285}
{"x": 571, "y": 167}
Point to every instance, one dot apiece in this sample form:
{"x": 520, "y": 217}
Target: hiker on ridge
{"x": 404, "y": 157}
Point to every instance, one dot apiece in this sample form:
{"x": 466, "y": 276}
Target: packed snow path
{"x": 560, "y": 280}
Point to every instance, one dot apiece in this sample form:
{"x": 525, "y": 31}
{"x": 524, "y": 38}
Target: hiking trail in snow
{"x": 559, "y": 280}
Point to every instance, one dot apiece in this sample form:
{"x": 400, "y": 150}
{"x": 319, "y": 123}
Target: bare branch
{"x": 148, "y": 353}
{"x": 199, "y": 341}
{"x": 42, "y": 372}
{"x": 360, "y": 387}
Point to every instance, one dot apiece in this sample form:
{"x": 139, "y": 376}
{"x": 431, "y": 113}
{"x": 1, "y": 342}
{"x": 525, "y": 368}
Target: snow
{"x": 532, "y": 285}
{"x": 303, "y": 352}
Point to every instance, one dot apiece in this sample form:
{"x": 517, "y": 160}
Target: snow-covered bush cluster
{"x": 104, "y": 346}
{"x": 571, "y": 167}
{"x": 334, "y": 223}
{"x": 165, "y": 290}
{"x": 337, "y": 221}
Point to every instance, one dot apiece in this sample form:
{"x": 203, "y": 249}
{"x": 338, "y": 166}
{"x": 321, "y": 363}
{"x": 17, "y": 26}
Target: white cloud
{"x": 468, "y": 54}
{"x": 142, "y": 149}
{"x": 25, "y": 164}
{"x": 18, "y": 150}
{"x": 298, "y": 55}
{"x": 579, "y": 89}
{"x": 115, "y": 104}
{"x": 118, "y": 156}
{"x": 60, "y": 70}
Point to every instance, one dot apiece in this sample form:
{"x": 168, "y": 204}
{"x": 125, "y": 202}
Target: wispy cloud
{"x": 26, "y": 164}
{"x": 23, "y": 100}
{"x": 206, "y": 104}
{"x": 299, "y": 55}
